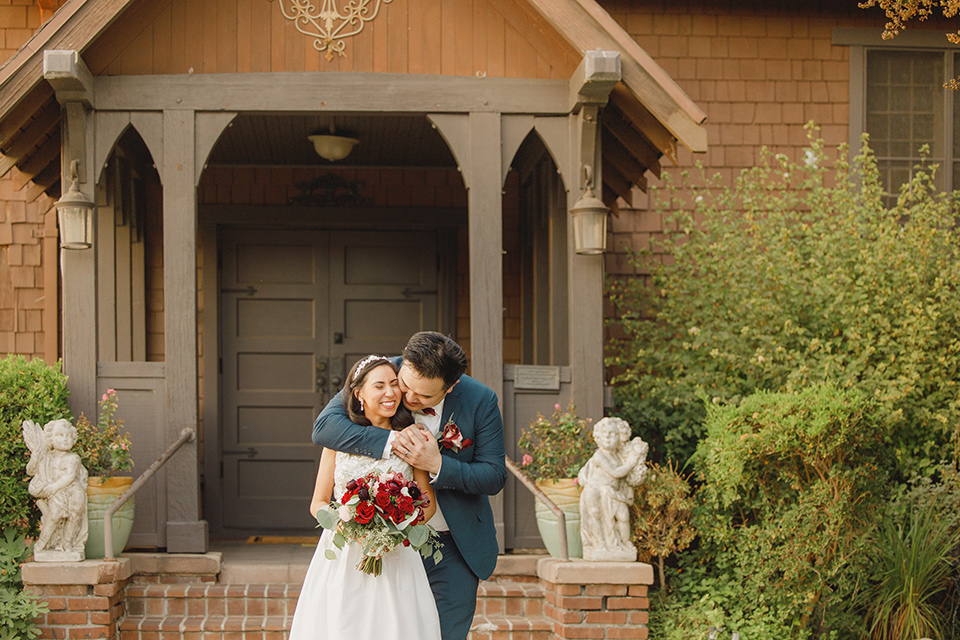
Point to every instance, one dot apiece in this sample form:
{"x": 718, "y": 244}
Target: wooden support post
{"x": 186, "y": 532}
{"x": 78, "y": 269}
{"x": 590, "y": 86}
{"x": 485, "y": 202}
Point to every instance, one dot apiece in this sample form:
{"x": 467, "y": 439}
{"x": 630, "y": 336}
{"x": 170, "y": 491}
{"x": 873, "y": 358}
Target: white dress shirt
{"x": 432, "y": 424}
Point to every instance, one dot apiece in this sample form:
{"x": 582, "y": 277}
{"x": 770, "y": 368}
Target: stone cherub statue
{"x": 59, "y": 484}
{"x": 607, "y": 482}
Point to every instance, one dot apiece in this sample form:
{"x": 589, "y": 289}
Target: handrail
{"x": 550, "y": 504}
{"x": 187, "y": 435}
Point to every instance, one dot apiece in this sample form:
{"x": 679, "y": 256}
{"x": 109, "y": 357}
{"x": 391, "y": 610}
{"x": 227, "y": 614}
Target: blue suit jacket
{"x": 466, "y": 478}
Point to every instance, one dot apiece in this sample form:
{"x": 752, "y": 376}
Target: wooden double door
{"x": 298, "y": 308}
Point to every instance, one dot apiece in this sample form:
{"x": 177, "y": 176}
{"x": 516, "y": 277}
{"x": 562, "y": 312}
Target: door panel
{"x": 383, "y": 288}
{"x": 299, "y": 307}
{"x": 274, "y": 311}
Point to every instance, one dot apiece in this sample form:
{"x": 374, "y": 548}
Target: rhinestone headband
{"x": 363, "y": 363}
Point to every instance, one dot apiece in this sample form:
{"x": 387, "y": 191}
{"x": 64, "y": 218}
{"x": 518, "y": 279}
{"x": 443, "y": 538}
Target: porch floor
{"x": 246, "y": 563}
{"x": 262, "y": 563}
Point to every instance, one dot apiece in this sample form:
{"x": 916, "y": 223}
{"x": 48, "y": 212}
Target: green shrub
{"x": 790, "y": 487}
{"x": 797, "y": 275}
{"x": 18, "y": 610}
{"x": 29, "y": 390}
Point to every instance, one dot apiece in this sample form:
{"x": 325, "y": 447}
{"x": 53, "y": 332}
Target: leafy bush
{"x": 790, "y": 486}
{"x": 29, "y": 390}
{"x": 103, "y": 448}
{"x": 18, "y": 610}
{"x": 797, "y": 275}
{"x": 556, "y": 449}
{"x": 661, "y": 512}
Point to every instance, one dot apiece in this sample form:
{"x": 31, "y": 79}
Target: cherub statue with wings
{"x": 59, "y": 484}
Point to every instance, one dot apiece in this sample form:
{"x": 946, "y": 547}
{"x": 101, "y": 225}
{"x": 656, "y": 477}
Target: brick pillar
{"x": 598, "y": 600}
{"x": 86, "y": 599}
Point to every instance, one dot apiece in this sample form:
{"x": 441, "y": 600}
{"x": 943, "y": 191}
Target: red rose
{"x": 382, "y": 500}
{"x": 345, "y": 498}
{"x": 406, "y": 542}
{"x": 365, "y": 512}
{"x": 405, "y": 504}
{"x": 396, "y": 515}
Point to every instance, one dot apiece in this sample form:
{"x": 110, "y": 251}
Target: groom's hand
{"x": 418, "y": 447}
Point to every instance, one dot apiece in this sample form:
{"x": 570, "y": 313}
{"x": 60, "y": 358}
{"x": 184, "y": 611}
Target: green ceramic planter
{"x": 566, "y": 495}
{"x": 100, "y": 495}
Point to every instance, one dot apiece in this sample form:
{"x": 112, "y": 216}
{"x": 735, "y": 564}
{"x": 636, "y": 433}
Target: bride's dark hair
{"x": 355, "y": 379}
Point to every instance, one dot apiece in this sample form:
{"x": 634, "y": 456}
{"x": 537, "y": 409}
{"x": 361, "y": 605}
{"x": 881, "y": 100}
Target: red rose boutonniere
{"x": 451, "y": 438}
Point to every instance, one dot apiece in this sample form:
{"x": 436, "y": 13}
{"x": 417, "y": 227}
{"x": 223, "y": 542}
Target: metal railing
{"x": 550, "y": 504}
{"x": 187, "y": 435}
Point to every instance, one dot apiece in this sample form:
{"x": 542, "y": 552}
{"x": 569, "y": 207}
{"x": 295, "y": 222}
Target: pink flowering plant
{"x": 104, "y": 448}
{"x": 556, "y": 448}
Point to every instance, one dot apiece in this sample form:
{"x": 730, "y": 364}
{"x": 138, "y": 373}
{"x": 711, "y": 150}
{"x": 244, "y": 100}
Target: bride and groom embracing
{"x": 440, "y": 428}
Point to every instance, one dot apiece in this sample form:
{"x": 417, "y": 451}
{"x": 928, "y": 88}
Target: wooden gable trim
{"x": 586, "y": 25}
{"x": 74, "y": 26}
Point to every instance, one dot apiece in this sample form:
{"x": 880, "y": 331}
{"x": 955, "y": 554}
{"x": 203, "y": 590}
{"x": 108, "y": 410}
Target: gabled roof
{"x": 647, "y": 115}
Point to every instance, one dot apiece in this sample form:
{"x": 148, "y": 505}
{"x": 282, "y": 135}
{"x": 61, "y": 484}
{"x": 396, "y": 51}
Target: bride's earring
{"x": 361, "y": 402}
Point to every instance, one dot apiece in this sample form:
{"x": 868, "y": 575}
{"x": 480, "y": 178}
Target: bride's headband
{"x": 363, "y": 363}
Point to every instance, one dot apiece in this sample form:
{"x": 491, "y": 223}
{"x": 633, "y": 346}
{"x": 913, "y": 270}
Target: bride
{"x": 338, "y": 601}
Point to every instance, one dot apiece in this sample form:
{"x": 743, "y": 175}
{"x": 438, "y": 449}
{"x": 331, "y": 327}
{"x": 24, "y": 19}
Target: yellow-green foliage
{"x": 798, "y": 274}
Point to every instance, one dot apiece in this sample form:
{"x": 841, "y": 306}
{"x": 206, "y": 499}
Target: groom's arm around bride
{"x": 471, "y": 464}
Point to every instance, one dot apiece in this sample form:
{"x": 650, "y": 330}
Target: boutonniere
{"x": 451, "y": 438}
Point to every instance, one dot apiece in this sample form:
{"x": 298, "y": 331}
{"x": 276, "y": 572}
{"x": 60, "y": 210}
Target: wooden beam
{"x": 621, "y": 158}
{"x": 21, "y": 115}
{"x": 185, "y": 532}
{"x": 44, "y": 157}
{"x": 595, "y": 77}
{"x": 586, "y": 25}
{"x": 637, "y": 115}
{"x": 310, "y": 92}
{"x": 34, "y": 133}
{"x": 619, "y": 184}
{"x": 638, "y": 145}
{"x": 69, "y": 76}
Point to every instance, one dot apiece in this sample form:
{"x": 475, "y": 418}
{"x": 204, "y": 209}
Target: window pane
{"x": 904, "y": 104}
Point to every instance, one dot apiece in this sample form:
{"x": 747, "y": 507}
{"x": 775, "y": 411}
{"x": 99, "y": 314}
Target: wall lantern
{"x": 589, "y": 221}
{"x": 75, "y": 212}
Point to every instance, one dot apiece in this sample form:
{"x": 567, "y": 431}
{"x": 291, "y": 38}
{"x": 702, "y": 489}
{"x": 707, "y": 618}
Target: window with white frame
{"x": 897, "y": 96}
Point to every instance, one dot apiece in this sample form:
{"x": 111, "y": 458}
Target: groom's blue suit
{"x": 465, "y": 480}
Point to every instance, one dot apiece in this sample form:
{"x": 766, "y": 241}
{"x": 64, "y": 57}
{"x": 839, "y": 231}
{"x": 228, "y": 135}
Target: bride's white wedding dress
{"x": 338, "y": 601}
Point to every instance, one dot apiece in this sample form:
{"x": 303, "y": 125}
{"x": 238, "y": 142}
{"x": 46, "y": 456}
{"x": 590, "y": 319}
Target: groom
{"x": 443, "y": 400}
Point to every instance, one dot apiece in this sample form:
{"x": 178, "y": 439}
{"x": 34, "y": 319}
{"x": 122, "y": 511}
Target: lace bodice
{"x": 350, "y": 466}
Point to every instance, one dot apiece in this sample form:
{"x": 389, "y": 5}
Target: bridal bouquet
{"x": 380, "y": 511}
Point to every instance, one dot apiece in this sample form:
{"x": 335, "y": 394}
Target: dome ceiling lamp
{"x": 332, "y": 147}
{"x": 329, "y": 25}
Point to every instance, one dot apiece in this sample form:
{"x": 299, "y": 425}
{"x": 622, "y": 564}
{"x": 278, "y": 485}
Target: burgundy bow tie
{"x": 429, "y": 411}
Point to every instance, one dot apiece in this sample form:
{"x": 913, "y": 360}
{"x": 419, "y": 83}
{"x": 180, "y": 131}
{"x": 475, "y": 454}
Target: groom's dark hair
{"x": 434, "y": 355}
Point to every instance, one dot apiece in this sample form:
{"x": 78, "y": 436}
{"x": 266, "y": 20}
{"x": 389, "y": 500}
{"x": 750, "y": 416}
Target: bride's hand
{"x": 417, "y": 446}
